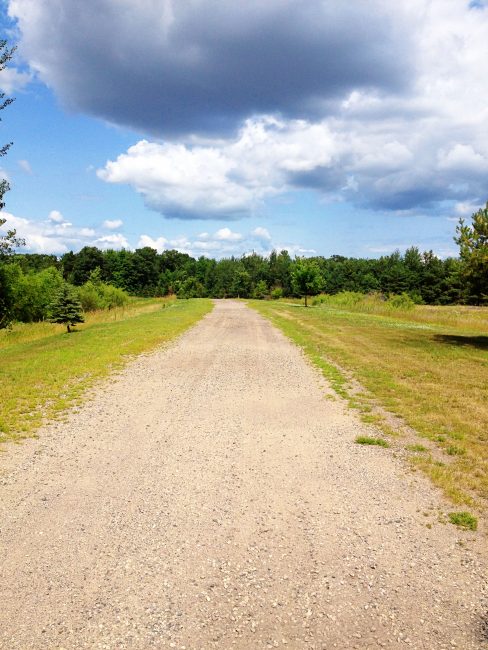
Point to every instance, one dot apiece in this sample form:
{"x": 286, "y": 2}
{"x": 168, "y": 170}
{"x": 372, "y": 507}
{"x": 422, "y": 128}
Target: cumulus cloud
{"x": 13, "y": 80}
{"x": 159, "y": 243}
{"x": 207, "y": 65}
{"x": 381, "y": 104}
{"x": 55, "y": 235}
{"x": 112, "y": 224}
{"x": 390, "y": 167}
{"x": 223, "y": 243}
{"x": 227, "y": 179}
{"x": 56, "y": 217}
{"x": 261, "y": 233}
{"x": 117, "y": 240}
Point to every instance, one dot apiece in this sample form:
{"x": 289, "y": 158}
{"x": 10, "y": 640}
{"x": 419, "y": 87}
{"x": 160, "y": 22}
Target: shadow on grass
{"x": 480, "y": 342}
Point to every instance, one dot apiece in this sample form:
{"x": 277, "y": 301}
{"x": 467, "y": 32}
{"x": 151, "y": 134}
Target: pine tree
{"x": 66, "y": 308}
{"x": 473, "y": 244}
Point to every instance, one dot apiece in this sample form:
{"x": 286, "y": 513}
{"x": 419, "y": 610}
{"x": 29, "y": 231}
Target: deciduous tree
{"x": 306, "y": 278}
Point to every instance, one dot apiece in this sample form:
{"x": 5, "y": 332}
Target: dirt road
{"x": 212, "y": 496}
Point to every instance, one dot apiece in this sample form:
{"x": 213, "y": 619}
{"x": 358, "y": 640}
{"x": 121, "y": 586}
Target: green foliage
{"x": 366, "y": 440}
{"x": 306, "y": 278}
{"x": 66, "y": 308}
{"x": 33, "y": 292}
{"x": 260, "y": 290}
{"x": 473, "y": 244}
{"x": 95, "y": 294}
{"x": 403, "y": 301}
{"x": 190, "y": 288}
{"x": 463, "y": 520}
{"x": 8, "y": 238}
{"x": 417, "y": 448}
{"x": 394, "y": 282}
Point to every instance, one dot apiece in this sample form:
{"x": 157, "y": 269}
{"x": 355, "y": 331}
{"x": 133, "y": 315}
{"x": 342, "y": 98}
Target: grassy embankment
{"x": 428, "y": 366}
{"x": 44, "y": 370}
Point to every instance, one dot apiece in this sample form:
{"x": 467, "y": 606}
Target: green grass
{"x": 417, "y": 448}
{"x": 428, "y": 366}
{"x": 44, "y": 370}
{"x": 366, "y": 440}
{"x": 463, "y": 520}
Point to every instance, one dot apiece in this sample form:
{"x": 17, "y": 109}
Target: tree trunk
{"x": 306, "y": 305}
{"x": 69, "y": 328}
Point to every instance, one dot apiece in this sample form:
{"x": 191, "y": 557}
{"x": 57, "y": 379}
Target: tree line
{"x": 105, "y": 279}
{"x": 145, "y": 272}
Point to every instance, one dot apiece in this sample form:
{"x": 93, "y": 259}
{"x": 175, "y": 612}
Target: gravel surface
{"x": 211, "y": 495}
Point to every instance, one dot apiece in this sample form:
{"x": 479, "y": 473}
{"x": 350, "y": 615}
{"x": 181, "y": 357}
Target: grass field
{"x": 44, "y": 370}
{"x": 427, "y": 366}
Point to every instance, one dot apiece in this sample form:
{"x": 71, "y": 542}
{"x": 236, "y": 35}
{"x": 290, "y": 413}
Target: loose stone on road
{"x": 210, "y": 496}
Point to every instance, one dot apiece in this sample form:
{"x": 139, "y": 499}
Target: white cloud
{"x": 53, "y": 236}
{"x": 56, "y": 235}
{"x": 226, "y": 179}
{"x": 42, "y": 237}
{"x": 462, "y": 157}
{"x": 56, "y": 216}
{"x": 12, "y": 80}
{"x": 87, "y": 232}
{"x": 116, "y": 241}
{"x": 112, "y": 224}
{"x": 466, "y": 209}
{"x": 226, "y": 234}
{"x": 261, "y": 233}
{"x": 160, "y": 243}
{"x": 223, "y": 243}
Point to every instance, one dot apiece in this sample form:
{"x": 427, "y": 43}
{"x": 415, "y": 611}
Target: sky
{"x": 220, "y": 128}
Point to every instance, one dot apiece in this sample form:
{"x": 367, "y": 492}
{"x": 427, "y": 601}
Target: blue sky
{"x": 217, "y": 129}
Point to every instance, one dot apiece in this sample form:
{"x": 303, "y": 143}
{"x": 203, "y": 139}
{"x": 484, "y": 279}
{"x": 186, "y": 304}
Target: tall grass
{"x": 427, "y": 366}
{"x": 398, "y": 307}
{"x": 44, "y": 370}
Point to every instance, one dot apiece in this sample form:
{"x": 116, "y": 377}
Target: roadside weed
{"x": 463, "y": 520}
{"x": 366, "y": 440}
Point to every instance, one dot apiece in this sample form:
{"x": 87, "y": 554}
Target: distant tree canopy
{"x": 104, "y": 279}
{"x": 144, "y": 272}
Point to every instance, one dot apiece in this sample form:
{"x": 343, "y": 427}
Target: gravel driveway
{"x": 210, "y": 496}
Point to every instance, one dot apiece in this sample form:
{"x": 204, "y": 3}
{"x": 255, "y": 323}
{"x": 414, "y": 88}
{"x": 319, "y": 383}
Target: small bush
{"x": 463, "y": 520}
{"x": 99, "y": 295}
{"x": 366, "y": 440}
{"x": 453, "y": 450}
{"x": 403, "y": 301}
{"x": 277, "y": 293}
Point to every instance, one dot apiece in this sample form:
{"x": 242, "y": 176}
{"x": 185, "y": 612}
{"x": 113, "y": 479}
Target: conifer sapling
{"x": 66, "y": 308}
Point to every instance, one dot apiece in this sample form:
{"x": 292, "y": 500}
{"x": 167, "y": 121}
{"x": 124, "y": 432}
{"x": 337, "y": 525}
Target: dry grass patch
{"x": 427, "y": 366}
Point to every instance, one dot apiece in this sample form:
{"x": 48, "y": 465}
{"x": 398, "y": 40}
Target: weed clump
{"x": 419, "y": 448}
{"x": 366, "y": 440}
{"x": 463, "y": 520}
